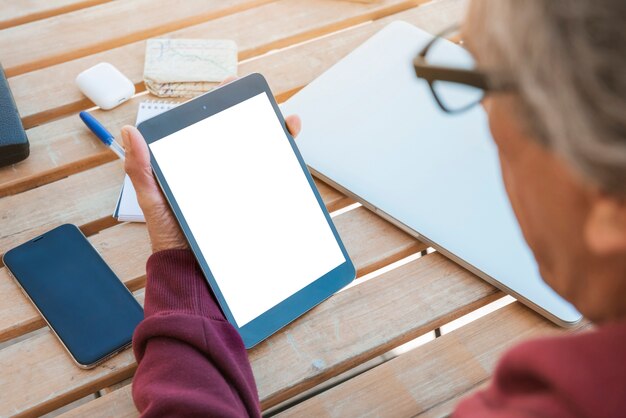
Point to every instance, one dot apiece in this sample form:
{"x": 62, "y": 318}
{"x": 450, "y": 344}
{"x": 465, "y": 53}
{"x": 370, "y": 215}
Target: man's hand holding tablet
{"x": 164, "y": 231}
{"x": 247, "y": 207}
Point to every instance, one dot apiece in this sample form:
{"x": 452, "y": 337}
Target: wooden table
{"x": 71, "y": 177}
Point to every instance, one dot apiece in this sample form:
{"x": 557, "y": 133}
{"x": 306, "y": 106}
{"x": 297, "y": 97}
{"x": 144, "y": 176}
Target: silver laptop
{"x": 373, "y": 130}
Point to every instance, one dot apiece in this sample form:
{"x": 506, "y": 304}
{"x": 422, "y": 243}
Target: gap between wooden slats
{"x": 370, "y": 241}
{"x": 256, "y": 31}
{"x": 66, "y": 146}
{"x": 76, "y": 34}
{"x": 118, "y": 400}
{"x": 19, "y": 12}
{"x": 393, "y": 353}
{"x": 429, "y": 380}
{"x": 63, "y": 189}
{"x": 348, "y": 329}
{"x": 87, "y": 198}
{"x": 410, "y": 378}
{"x": 400, "y": 254}
{"x": 69, "y": 136}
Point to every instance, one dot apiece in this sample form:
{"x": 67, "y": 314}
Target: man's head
{"x": 562, "y": 137}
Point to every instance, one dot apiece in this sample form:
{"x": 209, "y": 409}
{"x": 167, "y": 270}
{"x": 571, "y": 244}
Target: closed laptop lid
{"x": 372, "y": 128}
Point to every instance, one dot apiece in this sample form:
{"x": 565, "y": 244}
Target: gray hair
{"x": 568, "y": 58}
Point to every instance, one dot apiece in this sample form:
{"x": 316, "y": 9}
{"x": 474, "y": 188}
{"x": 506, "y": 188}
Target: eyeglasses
{"x": 452, "y": 76}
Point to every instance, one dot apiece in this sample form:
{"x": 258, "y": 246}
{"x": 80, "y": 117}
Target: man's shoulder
{"x": 579, "y": 374}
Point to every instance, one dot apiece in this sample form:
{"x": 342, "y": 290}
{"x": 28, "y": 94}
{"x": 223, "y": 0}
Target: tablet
{"x": 248, "y": 206}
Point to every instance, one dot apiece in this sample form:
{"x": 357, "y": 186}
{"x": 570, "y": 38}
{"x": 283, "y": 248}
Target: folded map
{"x": 187, "y": 67}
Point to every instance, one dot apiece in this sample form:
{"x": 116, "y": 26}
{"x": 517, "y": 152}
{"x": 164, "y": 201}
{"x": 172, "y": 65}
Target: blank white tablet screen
{"x": 249, "y": 206}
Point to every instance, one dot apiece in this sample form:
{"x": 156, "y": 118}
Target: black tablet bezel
{"x": 201, "y": 108}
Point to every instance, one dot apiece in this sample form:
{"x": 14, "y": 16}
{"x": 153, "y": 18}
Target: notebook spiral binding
{"x": 158, "y": 104}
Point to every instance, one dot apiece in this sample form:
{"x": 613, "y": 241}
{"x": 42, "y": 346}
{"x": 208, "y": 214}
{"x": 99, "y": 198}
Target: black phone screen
{"x": 78, "y": 294}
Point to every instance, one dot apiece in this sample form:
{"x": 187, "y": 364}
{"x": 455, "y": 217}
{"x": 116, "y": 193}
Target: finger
{"x": 294, "y": 124}
{"x": 137, "y": 164}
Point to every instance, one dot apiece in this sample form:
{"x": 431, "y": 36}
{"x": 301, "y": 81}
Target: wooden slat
{"x": 72, "y": 35}
{"x": 373, "y": 242}
{"x": 48, "y": 374}
{"x": 446, "y": 408}
{"x": 301, "y": 337}
{"x": 333, "y": 199}
{"x": 66, "y": 146}
{"x": 118, "y": 403}
{"x": 116, "y": 386}
{"x": 370, "y": 241}
{"x": 363, "y": 322}
{"x": 256, "y": 31}
{"x": 19, "y": 12}
{"x": 86, "y": 199}
{"x": 349, "y": 328}
{"x": 61, "y": 147}
{"x": 430, "y": 378}
{"x": 125, "y": 248}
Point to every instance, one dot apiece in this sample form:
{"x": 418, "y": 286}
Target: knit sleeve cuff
{"x": 175, "y": 283}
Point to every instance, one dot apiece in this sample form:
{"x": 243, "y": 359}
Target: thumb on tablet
{"x": 137, "y": 164}
{"x": 294, "y": 124}
{"x": 162, "y": 226}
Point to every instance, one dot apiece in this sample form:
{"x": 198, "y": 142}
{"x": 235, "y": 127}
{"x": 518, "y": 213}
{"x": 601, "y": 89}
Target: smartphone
{"x": 84, "y": 303}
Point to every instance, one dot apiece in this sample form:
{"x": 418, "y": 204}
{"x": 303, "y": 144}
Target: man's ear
{"x": 605, "y": 229}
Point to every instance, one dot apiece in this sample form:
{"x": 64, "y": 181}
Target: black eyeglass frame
{"x": 488, "y": 82}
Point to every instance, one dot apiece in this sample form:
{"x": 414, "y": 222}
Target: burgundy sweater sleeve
{"x": 192, "y": 362}
{"x": 579, "y": 375}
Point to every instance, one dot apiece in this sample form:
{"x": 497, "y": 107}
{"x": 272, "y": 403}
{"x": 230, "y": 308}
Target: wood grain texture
{"x": 370, "y": 241}
{"x": 125, "y": 248}
{"x": 350, "y": 328}
{"x": 86, "y": 199}
{"x": 360, "y": 228}
{"x": 64, "y": 146}
{"x": 103, "y": 27}
{"x": 429, "y": 380}
{"x": 363, "y": 322}
{"x": 333, "y": 199}
{"x": 118, "y": 404}
{"x": 73, "y": 200}
{"x": 116, "y": 386}
{"x": 294, "y": 68}
{"x": 23, "y": 11}
{"x": 444, "y": 409}
{"x": 256, "y": 31}
{"x": 38, "y": 374}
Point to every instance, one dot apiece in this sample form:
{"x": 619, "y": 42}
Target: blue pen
{"x": 101, "y": 132}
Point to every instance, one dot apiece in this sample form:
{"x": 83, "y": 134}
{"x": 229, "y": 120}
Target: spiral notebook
{"x": 127, "y": 208}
